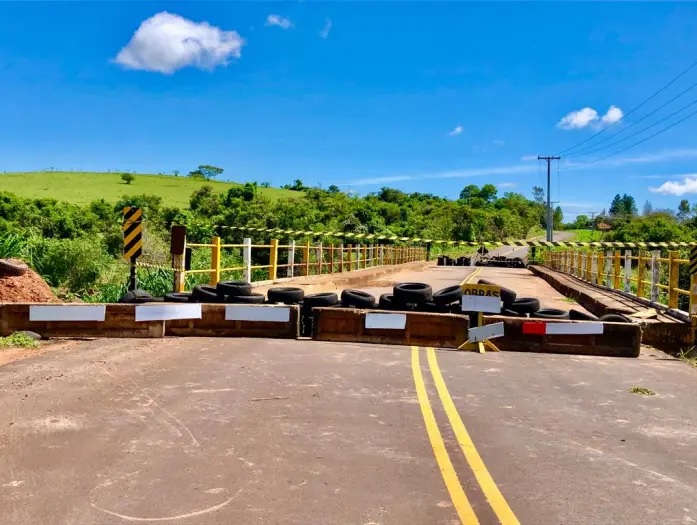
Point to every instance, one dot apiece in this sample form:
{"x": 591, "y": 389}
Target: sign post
{"x": 693, "y": 292}
{"x": 132, "y": 240}
{"x": 481, "y": 298}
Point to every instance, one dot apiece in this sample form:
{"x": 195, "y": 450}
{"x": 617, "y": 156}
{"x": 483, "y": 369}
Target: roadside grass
{"x": 569, "y": 300}
{"x": 85, "y": 187}
{"x": 585, "y": 235}
{"x": 18, "y": 340}
{"x": 642, "y": 391}
{"x": 689, "y": 356}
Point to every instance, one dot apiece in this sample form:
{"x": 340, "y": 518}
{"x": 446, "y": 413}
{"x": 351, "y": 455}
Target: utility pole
{"x": 593, "y": 213}
{"x": 550, "y": 226}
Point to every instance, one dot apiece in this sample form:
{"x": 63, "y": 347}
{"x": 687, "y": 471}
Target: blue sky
{"x": 422, "y": 96}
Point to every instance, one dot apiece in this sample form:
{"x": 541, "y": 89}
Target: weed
{"x": 18, "y": 340}
{"x": 569, "y": 300}
{"x": 642, "y": 391}
{"x": 689, "y": 356}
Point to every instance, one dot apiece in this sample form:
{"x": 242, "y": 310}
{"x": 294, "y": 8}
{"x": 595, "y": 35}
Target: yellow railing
{"x": 646, "y": 274}
{"x": 295, "y": 259}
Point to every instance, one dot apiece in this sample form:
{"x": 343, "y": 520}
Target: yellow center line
{"x": 486, "y": 482}
{"x": 471, "y": 276}
{"x": 452, "y": 483}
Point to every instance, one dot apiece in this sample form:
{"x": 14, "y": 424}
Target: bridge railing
{"x": 261, "y": 262}
{"x": 662, "y": 278}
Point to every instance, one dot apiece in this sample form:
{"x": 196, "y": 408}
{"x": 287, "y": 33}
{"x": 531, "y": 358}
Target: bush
{"x": 74, "y": 263}
{"x": 127, "y": 178}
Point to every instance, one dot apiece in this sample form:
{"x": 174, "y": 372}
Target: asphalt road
{"x": 220, "y": 431}
{"x": 522, "y": 251}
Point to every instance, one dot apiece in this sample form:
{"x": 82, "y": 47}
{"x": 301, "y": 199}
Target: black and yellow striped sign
{"x": 132, "y": 232}
{"x": 693, "y": 260}
{"x": 548, "y": 244}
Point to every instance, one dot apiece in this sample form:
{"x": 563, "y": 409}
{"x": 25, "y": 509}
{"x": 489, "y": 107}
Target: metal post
{"x": 247, "y": 258}
{"x": 133, "y": 281}
{"x": 608, "y": 266}
{"x": 641, "y": 274}
{"x": 306, "y": 257}
{"x": 341, "y": 258}
{"x": 320, "y": 258}
{"x": 273, "y": 260}
{"x": 215, "y": 261}
{"x": 673, "y": 274}
{"x": 382, "y": 254}
{"x": 331, "y": 258}
{"x": 594, "y": 268}
{"x": 616, "y": 270}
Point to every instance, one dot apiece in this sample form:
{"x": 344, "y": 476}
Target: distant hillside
{"x": 83, "y": 188}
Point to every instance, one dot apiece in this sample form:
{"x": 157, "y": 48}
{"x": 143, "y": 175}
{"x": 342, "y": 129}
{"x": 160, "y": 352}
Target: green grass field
{"x": 83, "y": 188}
{"x": 586, "y": 235}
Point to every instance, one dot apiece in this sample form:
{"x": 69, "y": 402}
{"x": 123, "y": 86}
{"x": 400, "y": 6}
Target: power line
{"x": 635, "y": 144}
{"x": 631, "y": 110}
{"x": 640, "y": 131}
{"x": 581, "y": 152}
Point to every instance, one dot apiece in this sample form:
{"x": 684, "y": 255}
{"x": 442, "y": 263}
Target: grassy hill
{"x": 82, "y": 188}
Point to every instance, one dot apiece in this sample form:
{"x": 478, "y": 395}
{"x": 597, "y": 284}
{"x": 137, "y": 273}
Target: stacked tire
{"x": 310, "y": 302}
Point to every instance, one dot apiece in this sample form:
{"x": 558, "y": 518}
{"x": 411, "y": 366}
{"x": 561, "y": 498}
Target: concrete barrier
{"x": 77, "y": 320}
{"x": 237, "y": 320}
{"x": 568, "y": 337}
{"x": 397, "y": 328}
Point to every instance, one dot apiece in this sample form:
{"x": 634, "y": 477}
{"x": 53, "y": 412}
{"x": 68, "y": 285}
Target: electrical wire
{"x": 631, "y": 110}
{"x": 585, "y": 151}
{"x": 635, "y": 144}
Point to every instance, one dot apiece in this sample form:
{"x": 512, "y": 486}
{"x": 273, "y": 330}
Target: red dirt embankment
{"x": 27, "y": 288}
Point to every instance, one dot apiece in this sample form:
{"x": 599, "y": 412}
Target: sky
{"x": 420, "y": 96}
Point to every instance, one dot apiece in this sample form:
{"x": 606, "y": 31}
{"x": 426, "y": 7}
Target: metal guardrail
{"x": 645, "y": 275}
{"x": 296, "y": 259}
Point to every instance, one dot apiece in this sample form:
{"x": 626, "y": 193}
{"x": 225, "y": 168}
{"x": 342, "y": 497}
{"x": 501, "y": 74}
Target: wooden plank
{"x": 646, "y": 313}
{"x": 119, "y": 321}
{"x": 423, "y": 329}
{"x": 214, "y": 324}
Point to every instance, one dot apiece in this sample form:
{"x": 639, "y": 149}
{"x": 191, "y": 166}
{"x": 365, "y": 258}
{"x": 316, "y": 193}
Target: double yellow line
{"x": 457, "y": 493}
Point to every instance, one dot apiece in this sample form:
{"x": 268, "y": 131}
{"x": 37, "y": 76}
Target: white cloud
{"x": 456, "y": 131}
{"x": 506, "y": 185}
{"x": 499, "y": 142}
{"x": 687, "y": 185}
{"x": 647, "y": 158}
{"x": 167, "y": 42}
{"x": 527, "y": 158}
{"x": 279, "y": 21}
{"x": 475, "y": 172}
{"x": 590, "y": 117}
{"x": 324, "y": 32}
{"x": 613, "y": 115}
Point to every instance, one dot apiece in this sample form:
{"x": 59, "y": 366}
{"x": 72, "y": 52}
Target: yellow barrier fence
{"x": 645, "y": 274}
{"x": 292, "y": 260}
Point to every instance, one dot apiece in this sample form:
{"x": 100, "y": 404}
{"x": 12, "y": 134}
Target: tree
{"x": 127, "y": 178}
{"x": 558, "y": 218}
{"x": 684, "y": 210}
{"x": 206, "y": 172}
{"x": 265, "y": 184}
{"x": 488, "y": 192}
{"x": 468, "y": 192}
{"x": 581, "y": 223}
{"x": 296, "y": 186}
{"x": 333, "y": 189}
{"x": 616, "y": 206}
{"x": 538, "y": 195}
{"x": 648, "y": 209}
{"x": 629, "y": 208}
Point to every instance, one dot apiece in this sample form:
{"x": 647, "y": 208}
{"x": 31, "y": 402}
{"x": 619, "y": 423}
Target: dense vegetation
{"x": 78, "y": 247}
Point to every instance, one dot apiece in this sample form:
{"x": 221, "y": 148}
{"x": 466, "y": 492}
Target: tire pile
{"x": 444, "y": 260}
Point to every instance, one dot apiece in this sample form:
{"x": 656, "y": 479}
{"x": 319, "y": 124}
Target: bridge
{"x": 250, "y": 422}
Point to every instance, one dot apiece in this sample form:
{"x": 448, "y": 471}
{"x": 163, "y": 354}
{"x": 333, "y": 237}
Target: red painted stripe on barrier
{"x": 534, "y": 328}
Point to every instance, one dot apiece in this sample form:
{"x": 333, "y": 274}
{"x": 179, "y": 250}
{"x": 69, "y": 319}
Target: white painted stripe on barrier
{"x": 477, "y": 303}
{"x": 584, "y": 328}
{"x": 385, "y": 321}
{"x": 167, "y": 312}
{"x": 489, "y": 331}
{"x": 60, "y": 312}
{"x": 271, "y": 314}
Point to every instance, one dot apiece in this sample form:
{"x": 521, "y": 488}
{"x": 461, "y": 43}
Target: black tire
{"x": 285, "y": 294}
{"x": 507, "y": 296}
{"x": 236, "y": 288}
{"x": 13, "y": 267}
{"x": 524, "y": 305}
{"x": 205, "y": 293}
{"x": 178, "y": 297}
{"x": 357, "y": 299}
{"x": 252, "y": 298}
{"x": 550, "y": 313}
{"x": 456, "y": 308}
{"x": 320, "y": 300}
{"x": 614, "y": 318}
{"x": 433, "y": 307}
{"x": 386, "y": 302}
{"x": 448, "y": 295}
{"x": 136, "y": 297}
{"x": 512, "y": 313}
{"x": 577, "y": 315}
{"x": 158, "y": 300}
{"x": 406, "y": 293}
